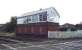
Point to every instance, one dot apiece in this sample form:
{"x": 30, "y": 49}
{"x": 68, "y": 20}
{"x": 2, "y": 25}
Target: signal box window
{"x": 43, "y": 16}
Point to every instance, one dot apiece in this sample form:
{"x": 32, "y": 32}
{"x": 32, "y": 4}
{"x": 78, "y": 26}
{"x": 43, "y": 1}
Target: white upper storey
{"x": 43, "y": 15}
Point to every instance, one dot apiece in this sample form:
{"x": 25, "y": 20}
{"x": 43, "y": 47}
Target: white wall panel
{"x": 53, "y": 15}
{"x": 20, "y": 21}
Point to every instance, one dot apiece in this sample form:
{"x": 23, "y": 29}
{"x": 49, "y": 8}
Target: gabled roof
{"x": 39, "y": 11}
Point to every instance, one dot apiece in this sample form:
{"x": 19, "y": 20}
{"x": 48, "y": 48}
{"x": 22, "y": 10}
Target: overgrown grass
{"x": 7, "y": 34}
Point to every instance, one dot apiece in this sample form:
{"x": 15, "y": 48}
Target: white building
{"x": 43, "y": 15}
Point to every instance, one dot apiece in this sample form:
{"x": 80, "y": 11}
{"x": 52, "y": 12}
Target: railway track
{"x": 13, "y": 43}
{"x": 8, "y": 40}
{"x": 12, "y": 40}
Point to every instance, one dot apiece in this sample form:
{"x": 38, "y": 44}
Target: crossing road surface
{"x": 12, "y": 44}
{"x": 74, "y": 45}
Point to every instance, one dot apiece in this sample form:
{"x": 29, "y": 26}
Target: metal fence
{"x": 64, "y": 34}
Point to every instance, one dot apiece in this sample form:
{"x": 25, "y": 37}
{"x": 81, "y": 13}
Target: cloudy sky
{"x": 70, "y": 10}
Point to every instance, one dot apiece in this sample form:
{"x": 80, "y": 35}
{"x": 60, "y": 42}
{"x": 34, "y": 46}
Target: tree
{"x": 13, "y": 24}
{"x": 10, "y": 26}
